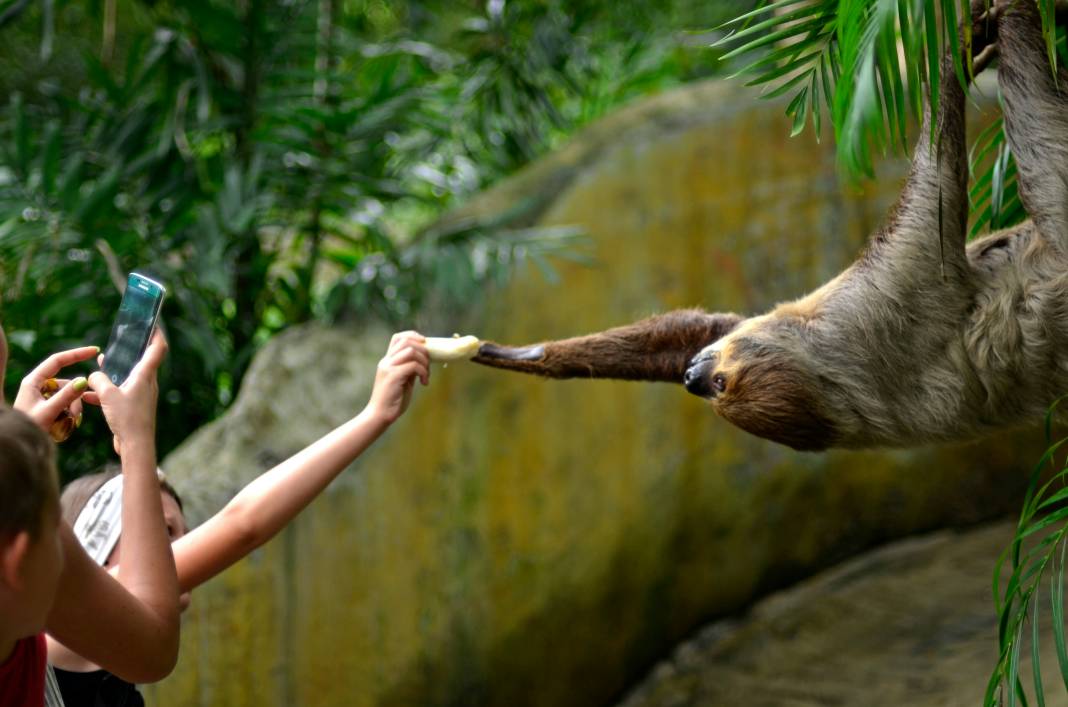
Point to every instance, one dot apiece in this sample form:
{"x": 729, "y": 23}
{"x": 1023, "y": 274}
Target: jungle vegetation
{"x": 275, "y": 162}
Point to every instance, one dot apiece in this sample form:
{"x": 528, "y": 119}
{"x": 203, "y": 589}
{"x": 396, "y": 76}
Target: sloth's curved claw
{"x": 490, "y": 351}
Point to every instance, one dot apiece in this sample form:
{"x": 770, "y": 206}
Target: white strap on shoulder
{"x": 53, "y": 697}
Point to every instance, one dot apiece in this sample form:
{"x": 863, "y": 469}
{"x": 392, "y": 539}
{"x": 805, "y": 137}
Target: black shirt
{"x": 98, "y": 688}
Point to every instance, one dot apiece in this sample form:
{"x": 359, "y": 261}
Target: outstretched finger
{"x": 51, "y": 366}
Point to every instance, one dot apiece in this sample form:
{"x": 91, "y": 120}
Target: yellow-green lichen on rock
{"x": 515, "y": 541}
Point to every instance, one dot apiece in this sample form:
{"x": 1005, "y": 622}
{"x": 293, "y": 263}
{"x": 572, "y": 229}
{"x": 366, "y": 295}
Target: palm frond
{"x": 1037, "y": 550}
{"x": 888, "y": 51}
{"x": 801, "y": 47}
{"x": 872, "y": 64}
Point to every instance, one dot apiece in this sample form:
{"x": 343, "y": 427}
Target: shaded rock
{"x": 303, "y": 383}
{"x": 912, "y": 623}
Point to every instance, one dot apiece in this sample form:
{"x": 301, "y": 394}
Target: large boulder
{"x": 912, "y": 623}
{"x": 514, "y": 541}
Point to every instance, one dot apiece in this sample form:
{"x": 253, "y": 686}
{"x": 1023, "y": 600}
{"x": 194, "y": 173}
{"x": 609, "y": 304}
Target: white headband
{"x": 100, "y": 523}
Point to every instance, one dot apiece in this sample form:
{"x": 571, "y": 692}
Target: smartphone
{"x": 133, "y": 328}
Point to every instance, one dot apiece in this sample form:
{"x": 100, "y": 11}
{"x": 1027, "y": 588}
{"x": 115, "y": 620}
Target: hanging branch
{"x": 12, "y": 13}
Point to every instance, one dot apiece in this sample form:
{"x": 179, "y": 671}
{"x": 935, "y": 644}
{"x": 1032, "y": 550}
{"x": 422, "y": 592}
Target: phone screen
{"x": 133, "y": 326}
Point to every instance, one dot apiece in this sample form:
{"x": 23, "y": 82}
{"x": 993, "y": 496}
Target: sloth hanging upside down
{"x": 922, "y": 338}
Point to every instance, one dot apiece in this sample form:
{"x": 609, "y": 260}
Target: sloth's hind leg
{"x": 1036, "y": 118}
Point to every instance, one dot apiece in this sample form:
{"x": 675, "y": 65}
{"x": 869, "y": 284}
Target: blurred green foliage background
{"x": 277, "y": 161}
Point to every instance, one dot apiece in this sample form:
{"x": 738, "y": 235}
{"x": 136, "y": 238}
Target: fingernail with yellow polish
{"x": 80, "y": 384}
{"x": 78, "y": 420}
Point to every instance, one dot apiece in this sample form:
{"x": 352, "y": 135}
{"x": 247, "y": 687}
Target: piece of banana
{"x": 442, "y": 348}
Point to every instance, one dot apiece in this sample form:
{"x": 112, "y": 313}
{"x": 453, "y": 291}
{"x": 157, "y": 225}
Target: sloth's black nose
{"x": 697, "y": 379}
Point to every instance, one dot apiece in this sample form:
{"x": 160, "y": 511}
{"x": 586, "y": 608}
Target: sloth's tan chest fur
{"x": 1016, "y": 336}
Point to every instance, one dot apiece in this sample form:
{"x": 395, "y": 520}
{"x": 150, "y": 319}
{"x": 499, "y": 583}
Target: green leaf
{"x": 997, "y": 195}
{"x": 776, "y": 20}
{"x": 99, "y": 198}
{"x": 817, "y": 107}
{"x": 782, "y": 70}
{"x": 766, "y": 8}
{"x": 798, "y": 108}
{"x": 1036, "y": 669}
{"x": 70, "y": 181}
{"x": 934, "y": 73}
{"x": 1047, "y": 9}
{"x": 893, "y": 88}
{"x": 1013, "y": 675}
{"x": 49, "y": 158}
{"x": 788, "y": 85}
{"x": 779, "y": 36}
{"x": 1057, "y": 606}
{"x": 949, "y": 27}
{"x": 22, "y": 136}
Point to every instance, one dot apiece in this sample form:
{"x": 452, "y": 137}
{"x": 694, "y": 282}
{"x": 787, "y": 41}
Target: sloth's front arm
{"x": 655, "y": 349}
{"x": 1036, "y": 120}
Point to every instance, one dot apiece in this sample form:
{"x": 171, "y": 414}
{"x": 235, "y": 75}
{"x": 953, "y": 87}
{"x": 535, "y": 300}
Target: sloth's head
{"x": 759, "y": 378}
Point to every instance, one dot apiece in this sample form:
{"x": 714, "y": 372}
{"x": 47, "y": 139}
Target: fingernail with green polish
{"x": 78, "y": 420}
{"x": 80, "y": 384}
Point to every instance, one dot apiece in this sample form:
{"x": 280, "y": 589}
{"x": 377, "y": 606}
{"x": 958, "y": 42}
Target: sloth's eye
{"x": 719, "y": 382}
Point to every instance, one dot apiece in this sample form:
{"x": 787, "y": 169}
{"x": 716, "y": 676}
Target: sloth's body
{"x": 921, "y": 339}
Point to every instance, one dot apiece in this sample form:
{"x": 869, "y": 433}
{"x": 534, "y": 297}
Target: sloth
{"x": 923, "y": 338}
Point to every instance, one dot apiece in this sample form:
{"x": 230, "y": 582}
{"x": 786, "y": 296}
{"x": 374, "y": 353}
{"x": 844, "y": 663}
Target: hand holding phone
{"x": 130, "y": 409}
{"x": 137, "y": 317}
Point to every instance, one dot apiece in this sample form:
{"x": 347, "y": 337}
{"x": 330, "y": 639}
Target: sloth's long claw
{"x": 490, "y": 351}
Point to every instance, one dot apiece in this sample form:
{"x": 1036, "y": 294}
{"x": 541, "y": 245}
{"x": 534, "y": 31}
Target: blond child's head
{"x": 31, "y": 558}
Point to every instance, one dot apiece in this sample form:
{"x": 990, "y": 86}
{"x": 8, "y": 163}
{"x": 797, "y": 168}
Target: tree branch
{"x": 12, "y": 13}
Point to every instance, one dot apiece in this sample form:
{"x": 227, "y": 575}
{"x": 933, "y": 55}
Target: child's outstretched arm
{"x": 131, "y": 630}
{"x": 273, "y": 499}
{"x": 96, "y": 617}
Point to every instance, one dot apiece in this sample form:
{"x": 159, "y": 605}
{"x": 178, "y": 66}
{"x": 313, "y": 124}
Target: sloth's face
{"x": 755, "y": 382}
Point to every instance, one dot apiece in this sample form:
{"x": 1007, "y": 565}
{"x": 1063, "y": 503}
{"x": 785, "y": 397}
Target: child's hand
{"x": 406, "y": 360}
{"x": 130, "y": 409}
{"x": 67, "y": 400}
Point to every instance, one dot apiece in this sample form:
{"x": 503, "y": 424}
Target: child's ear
{"x": 12, "y": 558}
